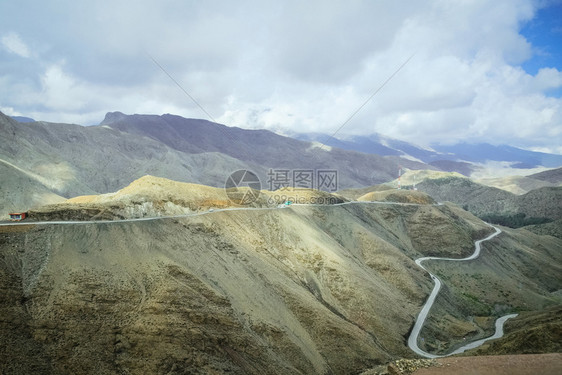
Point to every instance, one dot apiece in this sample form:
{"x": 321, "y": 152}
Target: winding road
{"x": 413, "y": 339}
{"x": 151, "y": 218}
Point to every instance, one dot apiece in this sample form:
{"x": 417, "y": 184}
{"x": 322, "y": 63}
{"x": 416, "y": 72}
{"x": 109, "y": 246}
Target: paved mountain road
{"x": 413, "y": 339}
{"x": 65, "y": 222}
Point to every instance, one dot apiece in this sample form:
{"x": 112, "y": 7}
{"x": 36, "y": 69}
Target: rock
{"x": 393, "y": 369}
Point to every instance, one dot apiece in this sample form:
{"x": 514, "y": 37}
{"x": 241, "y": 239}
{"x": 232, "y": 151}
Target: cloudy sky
{"x": 481, "y": 70}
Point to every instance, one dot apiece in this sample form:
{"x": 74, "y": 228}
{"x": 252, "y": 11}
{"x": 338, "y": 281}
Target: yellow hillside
{"x": 155, "y": 196}
{"x": 416, "y": 176}
{"x": 161, "y": 190}
{"x": 400, "y": 196}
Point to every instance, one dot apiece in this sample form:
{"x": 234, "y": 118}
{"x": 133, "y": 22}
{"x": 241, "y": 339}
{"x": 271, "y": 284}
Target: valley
{"x": 281, "y": 188}
{"x": 259, "y": 290}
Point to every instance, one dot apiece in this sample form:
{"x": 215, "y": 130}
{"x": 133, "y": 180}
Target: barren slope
{"x": 309, "y": 290}
{"x": 482, "y": 200}
{"x": 151, "y": 196}
{"x": 516, "y": 184}
{"x": 552, "y": 175}
{"x": 400, "y": 196}
{"x": 20, "y": 191}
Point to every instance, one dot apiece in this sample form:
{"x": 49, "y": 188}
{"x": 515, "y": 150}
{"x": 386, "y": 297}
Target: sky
{"x": 480, "y": 71}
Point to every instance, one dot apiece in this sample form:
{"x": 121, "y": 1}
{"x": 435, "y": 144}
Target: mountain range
{"x": 67, "y": 160}
{"x": 50, "y": 162}
{"x": 459, "y": 157}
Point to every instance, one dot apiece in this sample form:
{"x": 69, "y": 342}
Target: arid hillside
{"x": 551, "y": 175}
{"x": 303, "y": 290}
{"x": 484, "y": 200}
{"x": 19, "y": 190}
{"x": 151, "y": 196}
{"x": 399, "y": 196}
{"x": 517, "y": 184}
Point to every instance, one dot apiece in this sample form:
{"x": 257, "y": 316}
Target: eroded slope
{"x": 309, "y": 290}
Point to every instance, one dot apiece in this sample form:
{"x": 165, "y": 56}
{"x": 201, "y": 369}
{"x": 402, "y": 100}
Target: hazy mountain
{"x": 22, "y": 119}
{"x": 552, "y": 176}
{"x": 258, "y": 147}
{"x": 461, "y": 167}
{"x": 517, "y": 184}
{"x": 451, "y": 158}
{"x": 371, "y": 145}
{"x": 381, "y": 145}
{"x": 484, "y": 152}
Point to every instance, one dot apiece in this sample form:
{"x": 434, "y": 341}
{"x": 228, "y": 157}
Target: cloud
{"x": 13, "y": 43}
{"x": 303, "y": 66}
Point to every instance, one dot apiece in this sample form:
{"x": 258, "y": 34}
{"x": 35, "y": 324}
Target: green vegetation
{"x": 477, "y": 306}
{"x": 515, "y": 220}
{"x": 445, "y": 181}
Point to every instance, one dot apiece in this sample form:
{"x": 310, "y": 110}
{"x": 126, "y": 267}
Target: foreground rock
{"x": 402, "y": 367}
{"x": 544, "y": 364}
{"x": 530, "y": 364}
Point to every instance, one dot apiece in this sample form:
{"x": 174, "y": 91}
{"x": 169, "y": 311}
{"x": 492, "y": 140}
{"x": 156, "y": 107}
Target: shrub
{"x": 514, "y": 220}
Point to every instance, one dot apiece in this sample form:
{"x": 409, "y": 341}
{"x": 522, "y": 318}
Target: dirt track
{"x": 525, "y": 364}
{"x": 15, "y": 229}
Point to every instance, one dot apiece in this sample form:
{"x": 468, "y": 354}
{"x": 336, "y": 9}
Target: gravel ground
{"x": 524, "y": 364}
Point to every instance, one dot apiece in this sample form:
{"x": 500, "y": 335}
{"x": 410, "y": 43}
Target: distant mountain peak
{"x": 22, "y": 119}
{"x": 112, "y": 117}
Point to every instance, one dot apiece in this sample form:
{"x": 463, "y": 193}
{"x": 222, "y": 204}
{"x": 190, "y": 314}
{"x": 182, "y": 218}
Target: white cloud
{"x": 13, "y": 43}
{"x": 304, "y": 66}
{"x": 61, "y": 92}
{"x": 10, "y": 111}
